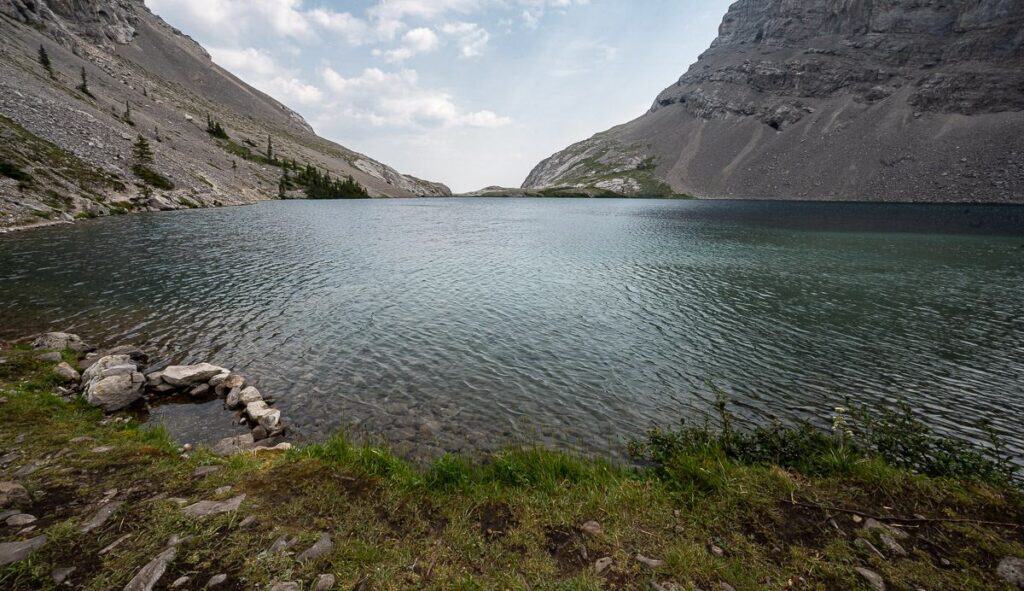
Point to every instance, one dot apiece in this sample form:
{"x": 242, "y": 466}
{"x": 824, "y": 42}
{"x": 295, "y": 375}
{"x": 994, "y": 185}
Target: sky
{"x": 470, "y": 93}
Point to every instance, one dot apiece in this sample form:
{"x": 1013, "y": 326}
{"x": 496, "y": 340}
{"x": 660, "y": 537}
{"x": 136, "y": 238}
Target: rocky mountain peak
{"x": 830, "y": 99}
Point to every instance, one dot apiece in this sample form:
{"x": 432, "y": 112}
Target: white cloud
{"x": 396, "y": 99}
{"x": 421, "y": 40}
{"x": 259, "y": 69}
{"x": 471, "y": 37}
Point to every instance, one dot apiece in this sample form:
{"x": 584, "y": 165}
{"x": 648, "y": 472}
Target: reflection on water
{"x": 465, "y": 324}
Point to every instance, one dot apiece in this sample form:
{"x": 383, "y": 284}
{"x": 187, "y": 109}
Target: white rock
{"x": 271, "y": 421}
{"x": 115, "y": 392}
{"x": 59, "y": 341}
{"x": 187, "y": 375}
{"x": 1011, "y": 570}
{"x": 249, "y": 395}
{"x": 67, "y": 373}
{"x": 207, "y": 508}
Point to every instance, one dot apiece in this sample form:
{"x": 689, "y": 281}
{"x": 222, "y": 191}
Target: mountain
{"x": 882, "y": 100}
{"x": 66, "y": 152}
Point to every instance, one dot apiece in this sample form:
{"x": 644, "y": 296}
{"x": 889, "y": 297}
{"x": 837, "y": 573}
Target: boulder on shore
{"x": 113, "y": 383}
{"x": 59, "y": 341}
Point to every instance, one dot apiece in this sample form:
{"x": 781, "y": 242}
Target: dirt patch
{"x": 566, "y": 545}
{"x": 495, "y": 519}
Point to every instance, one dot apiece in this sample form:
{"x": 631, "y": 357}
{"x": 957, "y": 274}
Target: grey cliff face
{"x": 66, "y": 152}
{"x": 914, "y": 100}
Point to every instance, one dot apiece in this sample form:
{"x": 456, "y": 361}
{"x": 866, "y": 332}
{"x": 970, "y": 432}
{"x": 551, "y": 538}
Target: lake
{"x": 466, "y": 324}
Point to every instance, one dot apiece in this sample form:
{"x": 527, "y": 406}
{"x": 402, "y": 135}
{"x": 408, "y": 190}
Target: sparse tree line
{"x": 315, "y": 183}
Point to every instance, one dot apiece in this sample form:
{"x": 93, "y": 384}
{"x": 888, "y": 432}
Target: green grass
{"x": 508, "y": 520}
{"x": 152, "y": 178}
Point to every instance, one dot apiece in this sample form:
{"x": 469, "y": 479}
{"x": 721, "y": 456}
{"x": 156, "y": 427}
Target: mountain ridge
{"x": 67, "y": 153}
{"x": 832, "y": 100}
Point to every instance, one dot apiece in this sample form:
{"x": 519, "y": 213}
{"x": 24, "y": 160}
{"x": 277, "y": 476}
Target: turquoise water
{"x": 466, "y": 324}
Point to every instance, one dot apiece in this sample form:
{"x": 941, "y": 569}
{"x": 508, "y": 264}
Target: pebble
{"x": 220, "y": 492}
{"x": 873, "y": 579}
{"x": 11, "y": 552}
{"x": 205, "y": 471}
{"x": 216, "y": 581}
{"x": 180, "y": 582}
{"x": 59, "y": 575}
{"x": 102, "y": 449}
{"x": 207, "y": 508}
{"x": 602, "y": 564}
{"x": 1011, "y": 570}
{"x": 20, "y": 520}
{"x": 651, "y": 562}
{"x": 286, "y": 586}
{"x": 592, "y": 528}
{"x": 321, "y": 547}
{"x": 101, "y": 516}
{"x": 324, "y": 583}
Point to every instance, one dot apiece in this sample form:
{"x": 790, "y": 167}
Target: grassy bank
{"x": 713, "y": 506}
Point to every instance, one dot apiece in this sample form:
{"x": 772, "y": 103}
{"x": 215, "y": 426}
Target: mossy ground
{"x": 508, "y": 521}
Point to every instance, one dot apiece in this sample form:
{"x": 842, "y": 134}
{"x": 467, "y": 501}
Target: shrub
{"x": 896, "y": 437}
{"x": 152, "y": 178}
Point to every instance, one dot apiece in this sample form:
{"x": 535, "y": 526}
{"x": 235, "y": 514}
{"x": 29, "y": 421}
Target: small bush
{"x": 12, "y": 171}
{"x": 152, "y": 178}
{"x": 896, "y": 437}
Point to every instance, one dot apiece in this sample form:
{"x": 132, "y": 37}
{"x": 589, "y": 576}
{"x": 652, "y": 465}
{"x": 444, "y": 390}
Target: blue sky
{"x": 466, "y": 92}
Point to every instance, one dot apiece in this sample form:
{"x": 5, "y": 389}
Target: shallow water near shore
{"x": 467, "y": 324}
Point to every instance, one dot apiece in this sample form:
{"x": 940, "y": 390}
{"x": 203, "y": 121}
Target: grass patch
{"x": 152, "y": 178}
{"x": 712, "y": 507}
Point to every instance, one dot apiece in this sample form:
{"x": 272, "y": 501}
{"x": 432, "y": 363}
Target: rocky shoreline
{"x": 122, "y": 377}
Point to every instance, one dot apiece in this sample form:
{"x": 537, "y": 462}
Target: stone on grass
{"x": 216, "y": 581}
{"x": 868, "y": 547}
{"x": 59, "y": 575}
{"x": 324, "y": 583}
{"x": 893, "y": 546}
{"x": 592, "y": 528}
{"x": 651, "y": 562}
{"x": 188, "y": 375}
{"x": 873, "y": 579}
{"x": 180, "y": 582}
{"x": 20, "y": 520}
{"x": 67, "y": 373}
{"x": 59, "y": 341}
{"x": 11, "y": 552}
{"x": 207, "y": 508}
{"x": 202, "y": 471}
{"x": 1011, "y": 570}
{"x": 872, "y": 525}
{"x": 602, "y": 564}
{"x": 51, "y": 356}
{"x": 150, "y": 574}
{"x": 286, "y": 586}
{"x": 101, "y": 516}
{"x": 321, "y": 547}
{"x": 233, "y": 445}
{"x": 13, "y": 494}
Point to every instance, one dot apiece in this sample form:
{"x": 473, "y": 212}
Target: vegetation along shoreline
{"x": 93, "y": 499}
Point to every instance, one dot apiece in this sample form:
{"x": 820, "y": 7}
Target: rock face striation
{"x": 66, "y": 148}
{"x": 829, "y": 99}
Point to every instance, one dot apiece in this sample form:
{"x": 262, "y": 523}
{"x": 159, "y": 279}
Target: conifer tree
{"x": 141, "y": 151}
{"x": 44, "y": 60}
{"x": 84, "y": 86}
